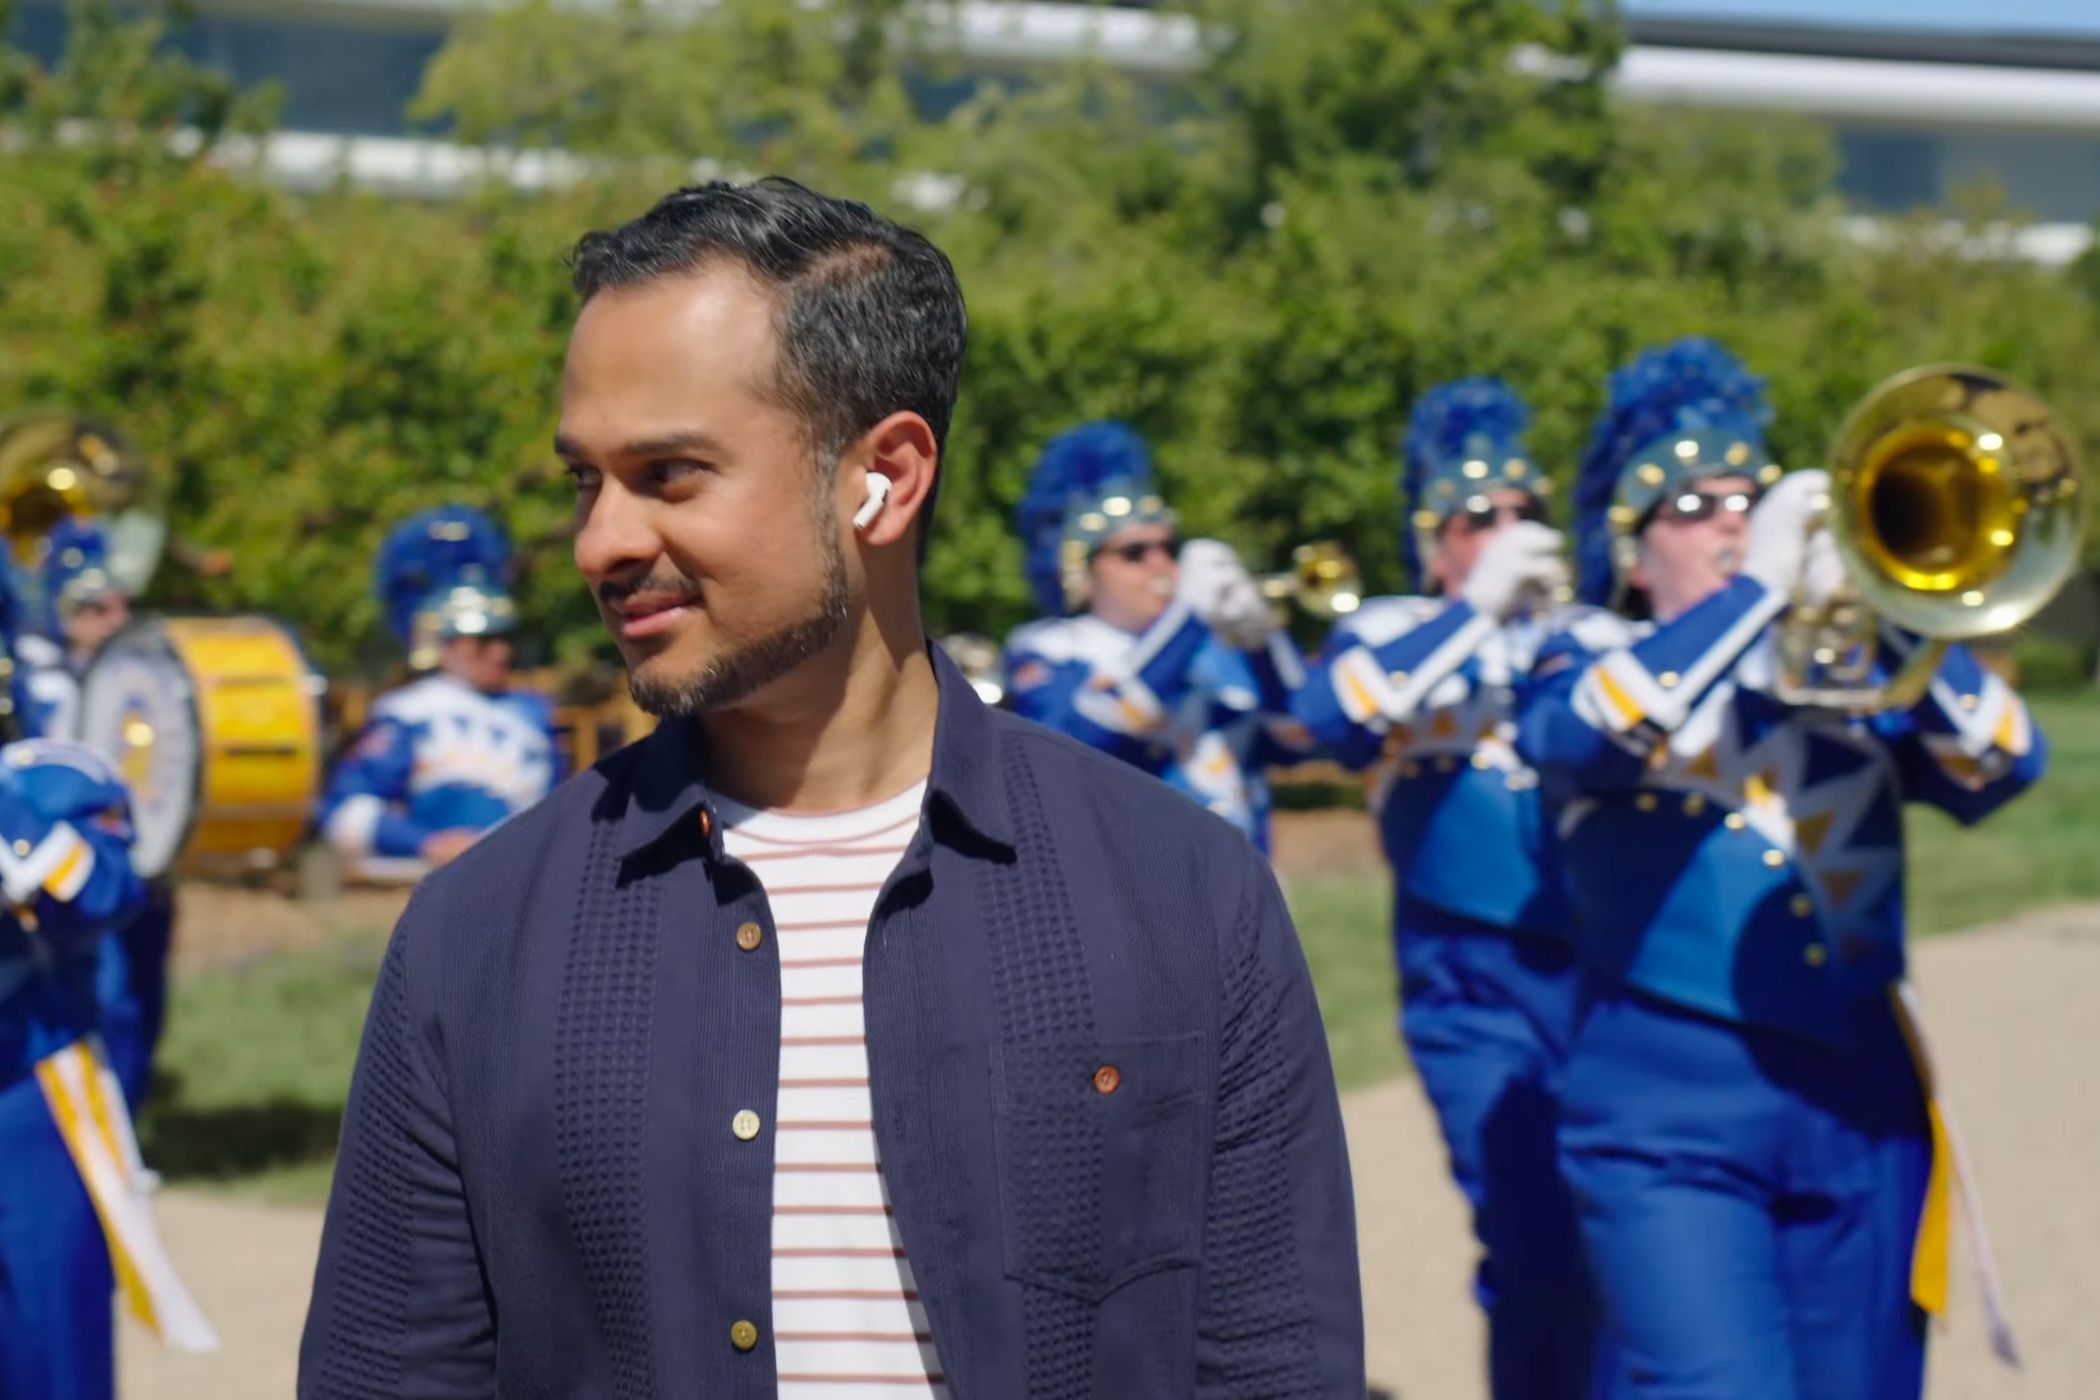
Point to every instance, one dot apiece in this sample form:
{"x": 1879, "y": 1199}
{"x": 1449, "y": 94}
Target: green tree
{"x": 1261, "y": 263}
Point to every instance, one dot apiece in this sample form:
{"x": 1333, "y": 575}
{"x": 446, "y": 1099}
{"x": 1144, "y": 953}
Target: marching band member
{"x": 448, "y": 756}
{"x": 1418, "y": 691}
{"x": 85, "y": 607}
{"x": 1742, "y": 1121}
{"x": 74, "y": 1219}
{"x": 1164, "y": 654}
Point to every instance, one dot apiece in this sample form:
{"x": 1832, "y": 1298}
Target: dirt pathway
{"x": 2012, "y": 1016}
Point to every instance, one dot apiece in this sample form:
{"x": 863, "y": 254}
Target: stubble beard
{"x": 739, "y": 673}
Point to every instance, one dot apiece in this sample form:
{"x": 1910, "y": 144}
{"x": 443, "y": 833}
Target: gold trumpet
{"x": 1323, "y": 579}
{"x": 1954, "y": 506}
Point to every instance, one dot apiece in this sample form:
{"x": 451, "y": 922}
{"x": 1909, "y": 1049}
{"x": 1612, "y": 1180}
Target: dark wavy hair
{"x": 870, "y": 321}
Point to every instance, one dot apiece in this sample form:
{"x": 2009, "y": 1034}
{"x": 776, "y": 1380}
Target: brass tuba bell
{"x": 59, "y": 466}
{"x": 1954, "y": 506}
{"x": 1323, "y": 579}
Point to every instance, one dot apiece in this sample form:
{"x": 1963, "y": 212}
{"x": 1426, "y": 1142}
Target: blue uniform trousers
{"x": 56, "y": 1337}
{"x": 131, "y": 986}
{"x": 1487, "y": 1016}
{"x": 1748, "y": 1202}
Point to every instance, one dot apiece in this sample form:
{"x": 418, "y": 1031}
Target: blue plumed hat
{"x": 1677, "y": 413}
{"x": 1464, "y": 439}
{"x": 442, "y": 574}
{"x": 1091, "y": 482}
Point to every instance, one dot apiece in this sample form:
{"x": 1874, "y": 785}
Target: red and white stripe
{"x": 847, "y": 1320}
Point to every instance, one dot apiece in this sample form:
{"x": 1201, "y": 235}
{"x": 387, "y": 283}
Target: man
{"x": 449, "y": 756}
{"x": 1742, "y": 1121}
{"x": 1418, "y": 692}
{"x": 69, "y": 1174}
{"x": 85, "y": 607}
{"x": 1007, "y": 1082}
{"x": 1176, "y": 663}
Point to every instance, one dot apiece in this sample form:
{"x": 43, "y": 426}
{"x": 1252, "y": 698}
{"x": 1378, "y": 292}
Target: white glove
{"x": 1823, "y": 568}
{"x": 1778, "y": 544}
{"x": 1224, "y": 596}
{"x": 1522, "y": 560}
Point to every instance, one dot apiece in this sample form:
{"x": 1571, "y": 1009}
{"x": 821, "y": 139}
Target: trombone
{"x": 1954, "y": 506}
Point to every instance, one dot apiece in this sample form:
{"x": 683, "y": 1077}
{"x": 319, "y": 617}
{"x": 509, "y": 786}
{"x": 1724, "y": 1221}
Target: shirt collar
{"x": 668, "y": 787}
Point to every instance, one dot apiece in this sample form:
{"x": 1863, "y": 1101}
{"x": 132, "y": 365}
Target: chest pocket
{"x": 1101, "y": 1160}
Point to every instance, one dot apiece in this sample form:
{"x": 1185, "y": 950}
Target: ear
{"x": 901, "y": 448}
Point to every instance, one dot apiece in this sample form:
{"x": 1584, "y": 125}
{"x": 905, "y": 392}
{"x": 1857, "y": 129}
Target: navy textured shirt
{"x": 539, "y": 1191}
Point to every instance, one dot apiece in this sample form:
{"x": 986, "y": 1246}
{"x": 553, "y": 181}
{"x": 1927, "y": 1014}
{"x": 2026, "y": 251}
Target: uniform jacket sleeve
{"x": 399, "y": 1307}
{"x": 1120, "y": 709}
{"x": 364, "y": 811}
{"x": 67, "y": 807}
{"x": 1588, "y": 720}
{"x": 1359, "y": 690}
{"x": 1969, "y": 745}
{"x": 1281, "y": 1312}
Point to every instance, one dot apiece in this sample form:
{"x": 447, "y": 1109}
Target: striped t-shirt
{"x": 847, "y": 1321}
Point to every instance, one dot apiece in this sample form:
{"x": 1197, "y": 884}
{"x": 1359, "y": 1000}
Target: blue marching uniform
{"x": 1742, "y": 1120}
{"x": 1174, "y": 700}
{"x": 64, "y": 839}
{"x": 132, "y": 976}
{"x": 438, "y": 755}
{"x": 1417, "y": 692}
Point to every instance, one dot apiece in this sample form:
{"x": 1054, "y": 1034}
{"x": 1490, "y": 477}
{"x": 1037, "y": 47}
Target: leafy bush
{"x": 1260, "y": 262}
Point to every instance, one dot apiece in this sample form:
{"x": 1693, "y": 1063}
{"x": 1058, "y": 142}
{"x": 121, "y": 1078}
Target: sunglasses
{"x": 1690, "y": 507}
{"x": 1480, "y": 513}
{"x": 1137, "y": 551}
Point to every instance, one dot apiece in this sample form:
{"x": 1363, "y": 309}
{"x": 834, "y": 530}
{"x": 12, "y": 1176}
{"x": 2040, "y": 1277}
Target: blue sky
{"x": 2000, "y": 16}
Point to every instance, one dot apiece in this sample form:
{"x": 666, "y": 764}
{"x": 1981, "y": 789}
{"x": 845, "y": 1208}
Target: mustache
{"x": 612, "y": 593}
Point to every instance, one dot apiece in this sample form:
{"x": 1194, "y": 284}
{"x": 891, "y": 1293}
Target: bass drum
{"x": 215, "y": 724}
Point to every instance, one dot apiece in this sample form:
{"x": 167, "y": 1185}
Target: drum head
{"x": 138, "y": 708}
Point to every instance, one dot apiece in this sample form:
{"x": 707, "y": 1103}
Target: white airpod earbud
{"x": 878, "y": 492}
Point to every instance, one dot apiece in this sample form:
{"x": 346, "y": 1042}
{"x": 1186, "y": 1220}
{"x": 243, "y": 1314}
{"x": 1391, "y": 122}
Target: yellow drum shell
{"x": 253, "y": 702}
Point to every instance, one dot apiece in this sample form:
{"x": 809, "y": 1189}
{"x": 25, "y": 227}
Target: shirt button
{"x": 1775, "y": 858}
{"x": 1733, "y": 821}
{"x": 744, "y": 1125}
{"x": 1694, "y": 805}
{"x": 1409, "y": 769}
{"x": 1446, "y": 764}
{"x": 1815, "y": 955}
{"x": 22, "y": 848}
{"x": 1802, "y": 906}
{"x": 1645, "y": 801}
{"x": 1107, "y": 1079}
{"x": 743, "y": 1334}
{"x": 1669, "y": 678}
{"x": 749, "y": 936}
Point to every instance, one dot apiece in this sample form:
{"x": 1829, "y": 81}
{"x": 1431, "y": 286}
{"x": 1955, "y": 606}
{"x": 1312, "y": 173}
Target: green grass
{"x": 2041, "y": 848}
{"x": 254, "y": 1068}
{"x": 257, "y": 1056}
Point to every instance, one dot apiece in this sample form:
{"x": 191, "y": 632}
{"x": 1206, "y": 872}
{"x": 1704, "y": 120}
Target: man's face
{"x": 92, "y": 621}
{"x": 705, "y": 529}
{"x": 1465, "y": 533}
{"x": 1693, "y": 543}
{"x": 1131, "y": 577}
{"x": 481, "y": 662}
